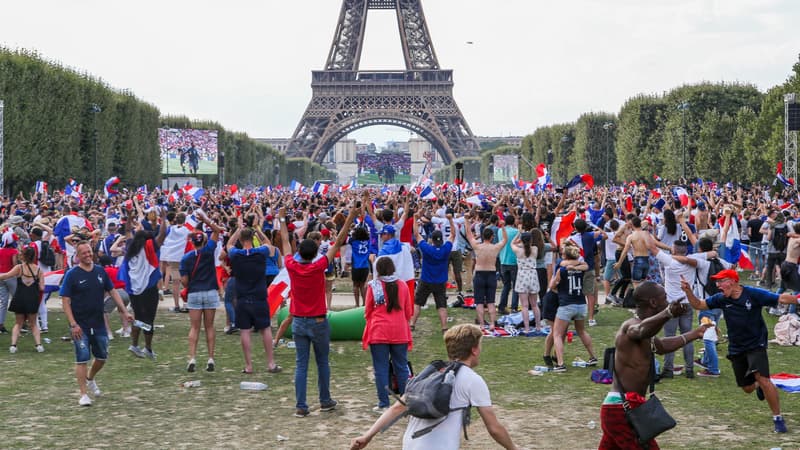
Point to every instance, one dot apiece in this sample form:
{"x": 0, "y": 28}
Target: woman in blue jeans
{"x": 388, "y": 309}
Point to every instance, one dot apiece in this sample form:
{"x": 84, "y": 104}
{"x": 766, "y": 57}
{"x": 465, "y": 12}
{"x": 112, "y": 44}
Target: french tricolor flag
{"x": 682, "y": 196}
{"x": 562, "y": 227}
{"x": 542, "y": 177}
{"x": 195, "y": 192}
{"x": 296, "y": 186}
{"x": 41, "y": 187}
{"x": 744, "y": 258}
{"x": 576, "y": 182}
{"x": 786, "y": 381}
{"x": 427, "y": 194}
{"x": 732, "y": 250}
{"x": 320, "y": 188}
{"x": 278, "y": 290}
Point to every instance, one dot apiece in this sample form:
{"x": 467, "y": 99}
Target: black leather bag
{"x": 649, "y": 419}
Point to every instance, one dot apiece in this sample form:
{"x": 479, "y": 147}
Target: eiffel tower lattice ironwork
{"x": 420, "y": 98}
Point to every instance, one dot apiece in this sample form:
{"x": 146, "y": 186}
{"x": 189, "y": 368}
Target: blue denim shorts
{"x": 572, "y": 312}
{"x": 641, "y": 266}
{"x": 93, "y": 342}
{"x": 203, "y": 300}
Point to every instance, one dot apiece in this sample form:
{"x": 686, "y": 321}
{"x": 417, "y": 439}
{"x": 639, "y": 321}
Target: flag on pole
{"x": 296, "y": 186}
{"x": 575, "y": 183}
{"x": 542, "y": 176}
{"x": 427, "y": 193}
{"x": 320, "y": 188}
{"x": 41, "y": 187}
{"x": 195, "y": 192}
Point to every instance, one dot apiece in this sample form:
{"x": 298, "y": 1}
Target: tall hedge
{"x": 50, "y": 128}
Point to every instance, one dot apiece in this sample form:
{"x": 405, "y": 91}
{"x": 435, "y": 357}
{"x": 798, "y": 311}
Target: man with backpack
{"x": 466, "y": 389}
{"x": 776, "y": 250}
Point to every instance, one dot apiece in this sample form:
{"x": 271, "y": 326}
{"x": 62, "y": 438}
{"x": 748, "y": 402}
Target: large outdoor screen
{"x": 506, "y": 168}
{"x": 384, "y": 168}
{"x": 187, "y": 151}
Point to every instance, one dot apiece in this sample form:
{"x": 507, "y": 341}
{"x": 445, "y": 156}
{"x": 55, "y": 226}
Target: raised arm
{"x": 343, "y": 234}
{"x": 286, "y": 246}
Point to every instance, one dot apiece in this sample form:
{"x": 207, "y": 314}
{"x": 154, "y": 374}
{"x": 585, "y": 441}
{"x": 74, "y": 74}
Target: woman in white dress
{"x": 527, "y": 250}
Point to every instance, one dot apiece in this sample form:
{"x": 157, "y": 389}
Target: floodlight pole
{"x": 2, "y": 157}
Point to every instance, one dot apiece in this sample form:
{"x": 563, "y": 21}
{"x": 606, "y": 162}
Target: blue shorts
{"x": 252, "y": 314}
{"x": 641, "y": 266}
{"x": 609, "y": 270}
{"x": 572, "y": 312}
{"x": 94, "y": 341}
{"x": 203, "y": 300}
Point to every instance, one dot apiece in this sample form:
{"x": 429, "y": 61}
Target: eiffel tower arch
{"x": 419, "y": 98}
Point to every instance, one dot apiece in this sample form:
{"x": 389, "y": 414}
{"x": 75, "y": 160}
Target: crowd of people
{"x": 652, "y": 250}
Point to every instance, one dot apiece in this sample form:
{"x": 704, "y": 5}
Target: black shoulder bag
{"x": 649, "y": 419}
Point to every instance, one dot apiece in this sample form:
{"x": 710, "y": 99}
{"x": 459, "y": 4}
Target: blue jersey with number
{"x": 570, "y": 287}
{"x": 360, "y": 254}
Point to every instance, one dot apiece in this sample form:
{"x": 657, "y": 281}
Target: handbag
{"x": 185, "y": 291}
{"x": 649, "y": 419}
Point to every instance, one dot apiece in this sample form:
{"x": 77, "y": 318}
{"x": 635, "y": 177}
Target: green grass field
{"x": 373, "y": 179}
{"x": 204, "y": 168}
{"x": 144, "y": 405}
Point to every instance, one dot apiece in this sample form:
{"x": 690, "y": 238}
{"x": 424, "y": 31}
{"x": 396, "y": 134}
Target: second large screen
{"x": 187, "y": 151}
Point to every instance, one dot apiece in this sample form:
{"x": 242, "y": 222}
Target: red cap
{"x": 727, "y": 273}
{"x": 326, "y": 232}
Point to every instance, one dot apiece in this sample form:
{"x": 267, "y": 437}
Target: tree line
{"x": 713, "y": 131}
{"x": 60, "y": 123}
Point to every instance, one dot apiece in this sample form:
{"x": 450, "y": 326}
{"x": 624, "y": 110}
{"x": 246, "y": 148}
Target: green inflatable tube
{"x": 347, "y": 325}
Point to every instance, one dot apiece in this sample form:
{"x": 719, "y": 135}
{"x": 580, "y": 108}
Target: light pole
{"x": 608, "y": 126}
{"x": 683, "y": 107}
{"x": 95, "y": 109}
{"x": 564, "y": 142}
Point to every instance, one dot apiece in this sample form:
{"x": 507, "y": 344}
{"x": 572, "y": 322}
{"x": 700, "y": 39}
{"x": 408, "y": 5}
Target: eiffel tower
{"x": 419, "y": 98}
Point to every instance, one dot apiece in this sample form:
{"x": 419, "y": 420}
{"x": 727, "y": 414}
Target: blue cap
{"x": 660, "y": 203}
{"x": 388, "y": 229}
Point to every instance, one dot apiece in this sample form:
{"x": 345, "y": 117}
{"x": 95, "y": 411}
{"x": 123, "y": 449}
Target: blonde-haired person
{"x": 568, "y": 283}
{"x": 463, "y": 343}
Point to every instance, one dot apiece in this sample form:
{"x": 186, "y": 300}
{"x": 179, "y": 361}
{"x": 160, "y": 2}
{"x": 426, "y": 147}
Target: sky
{"x": 518, "y": 64}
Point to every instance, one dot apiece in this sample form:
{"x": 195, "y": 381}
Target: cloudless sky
{"x": 247, "y": 63}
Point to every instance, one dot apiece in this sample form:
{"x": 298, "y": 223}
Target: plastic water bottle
{"x": 46, "y": 340}
{"x": 542, "y": 368}
{"x": 252, "y": 386}
{"x": 144, "y": 326}
{"x": 191, "y": 384}
{"x": 290, "y": 344}
{"x": 591, "y": 425}
{"x": 579, "y": 363}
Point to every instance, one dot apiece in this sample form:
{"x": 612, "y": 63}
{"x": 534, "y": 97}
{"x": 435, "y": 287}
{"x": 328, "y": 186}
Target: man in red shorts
{"x": 635, "y": 343}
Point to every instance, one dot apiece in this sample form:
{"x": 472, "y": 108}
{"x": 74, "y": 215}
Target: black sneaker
{"x": 210, "y": 366}
{"x": 330, "y": 406}
{"x": 690, "y": 373}
{"x": 560, "y": 369}
{"x": 3, "y": 330}
{"x": 667, "y": 374}
{"x": 191, "y": 366}
{"x": 548, "y": 361}
{"x": 591, "y": 362}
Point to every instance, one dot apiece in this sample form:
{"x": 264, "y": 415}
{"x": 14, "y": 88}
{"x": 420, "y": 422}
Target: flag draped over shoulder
{"x": 400, "y": 254}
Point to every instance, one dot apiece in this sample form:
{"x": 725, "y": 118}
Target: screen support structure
{"x": 790, "y": 155}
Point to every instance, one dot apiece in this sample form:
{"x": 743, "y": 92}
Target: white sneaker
{"x": 12, "y": 349}
{"x": 39, "y": 348}
{"x": 592, "y": 323}
{"x": 136, "y": 351}
{"x": 126, "y": 333}
{"x": 119, "y": 331}
{"x": 110, "y": 336}
{"x": 91, "y": 385}
{"x": 380, "y": 409}
{"x": 85, "y": 400}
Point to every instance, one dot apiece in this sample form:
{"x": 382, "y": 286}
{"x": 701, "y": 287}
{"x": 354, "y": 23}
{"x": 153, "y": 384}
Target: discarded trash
{"x": 191, "y": 384}
{"x": 282, "y": 438}
{"x": 252, "y": 386}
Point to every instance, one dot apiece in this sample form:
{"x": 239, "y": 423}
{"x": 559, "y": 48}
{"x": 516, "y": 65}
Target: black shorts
{"x": 746, "y": 364}
{"x": 360, "y": 275}
{"x": 252, "y": 314}
{"x": 425, "y": 289}
{"x": 549, "y": 306}
{"x": 484, "y": 285}
{"x": 145, "y": 306}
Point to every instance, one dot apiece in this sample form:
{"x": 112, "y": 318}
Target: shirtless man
{"x": 639, "y": 240}
{"x": 633, "y": 369}
{"x": 790, "y": 280}
{"x": 484, "y": 281}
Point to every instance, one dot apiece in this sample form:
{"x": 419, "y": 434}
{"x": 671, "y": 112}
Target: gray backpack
{"x": 428, "y": 395}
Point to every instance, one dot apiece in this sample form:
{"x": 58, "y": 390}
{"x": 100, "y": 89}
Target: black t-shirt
{"x": 754, "y": 225}
{"x": 86, "y": 290}
{"x": 570, "y": 287}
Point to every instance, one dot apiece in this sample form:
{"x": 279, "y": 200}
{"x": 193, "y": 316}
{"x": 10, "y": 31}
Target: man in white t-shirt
{"x": 172, "y": 251}
{"x": 463, "y": 344}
